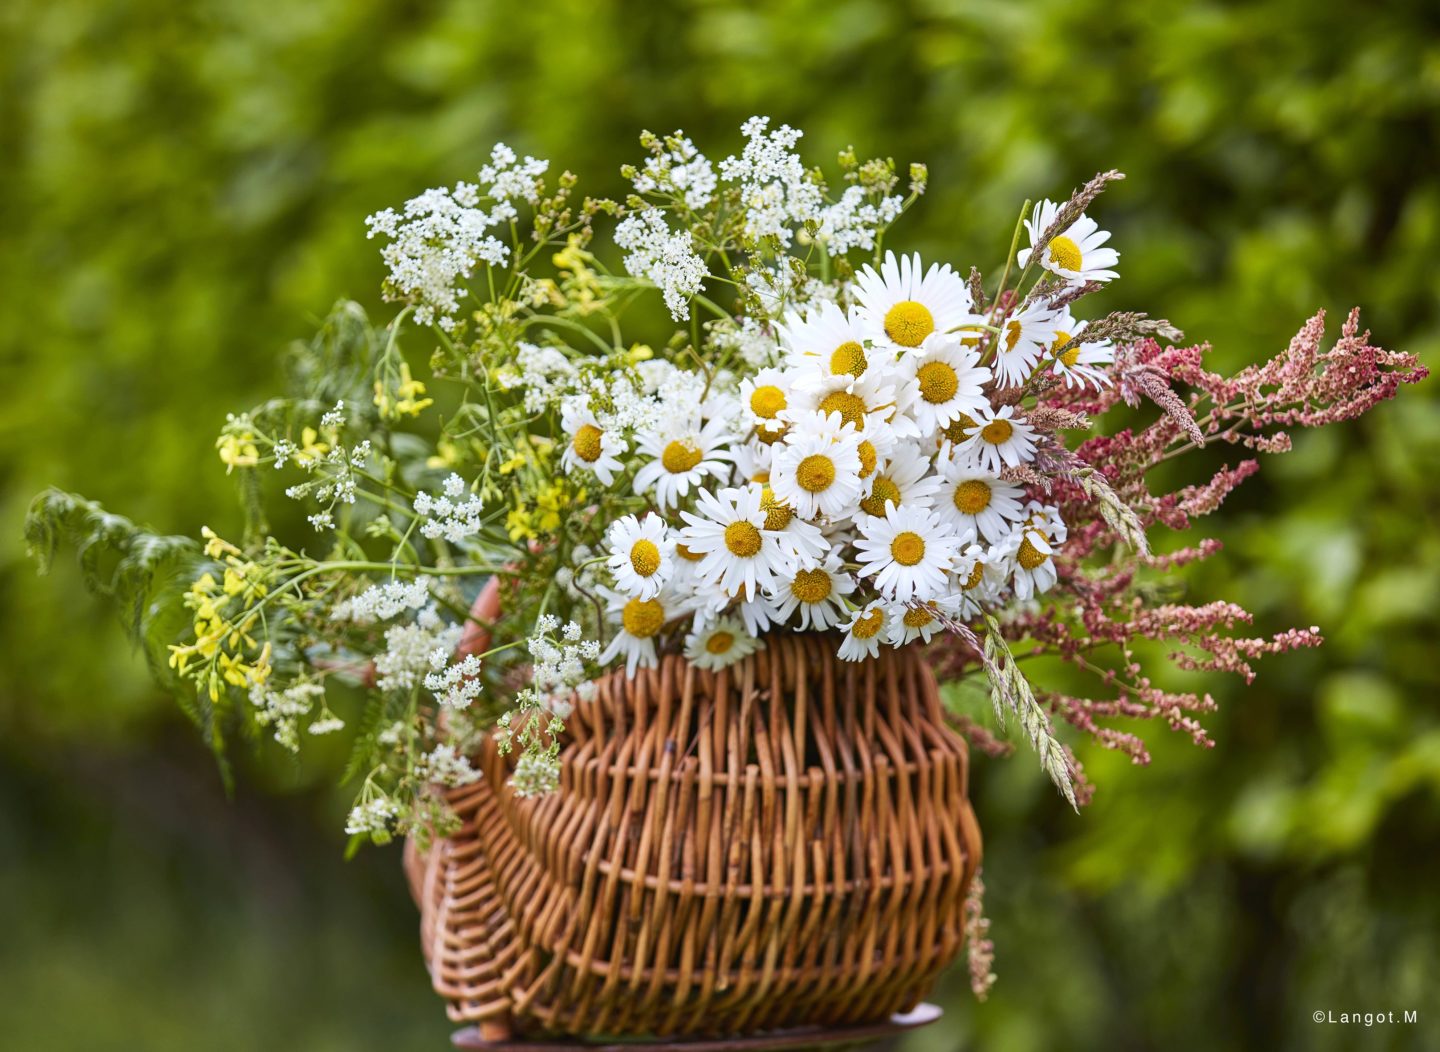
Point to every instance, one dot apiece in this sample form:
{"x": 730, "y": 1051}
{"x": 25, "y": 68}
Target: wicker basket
{"x": 786, "y": 842}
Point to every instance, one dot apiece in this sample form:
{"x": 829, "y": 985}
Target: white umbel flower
{"x": 908, "y": 552}
{"x": 740, "y": 555}
{"x": 817, "y": 471}
{"x": 944, "y": 381}
{"x": 720, "y": 644}
{"x": 642, "y": 555}
{"x": 1002, "y": 439}
{"x": 1075, "y": 253}
{"x": 1022, "y": 339}
{"x": 590, "y": 447}
{"x": 901, "y": 305}
{"x": 863, "y": 632}
{"x": 816, "y": 594}
{"x": 684, "y": 455}
{"x": 974, "y": 500}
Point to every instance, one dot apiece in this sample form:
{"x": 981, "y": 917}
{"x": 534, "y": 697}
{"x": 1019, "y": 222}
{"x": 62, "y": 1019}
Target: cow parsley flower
{"x": 663, "y": 257}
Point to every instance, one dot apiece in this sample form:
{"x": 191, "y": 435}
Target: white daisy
{"x": 954, "y": 435}
{"x": 1079, "y": 364}
{"x": 980, "y": 574}
{"x": 863, "y": 632}
{"x": 826, "y": 341}
{"x": 901, "y": 306}
{"x": 1030, "y": 550}
{"x": 642, "y": 555}
{"x": 908, "y": 552}
{"x": 721, "y": 644}
{"x": 905, "y": 481}
{"x": 815, "y": 593}
{"x": 684, "y": 454}
{"x": 876, "y": 447}
{"x": 763, "y": 399}
{"x": 944, "y": 381}
{"x": 1022, "y": 339}
{"x": 1001, "y": 439}
{"x": 590, "y": 447}
{"x": 752, "y": 462}
{"x": 817, "y": 470}
{"x": 862, "y": 403}
{"x": 972, "y": 499}
{"x": 639, "y": 621}
{"x": 802, "y": 542}
{"x": 1075, "y": 253}
{"x": 740, "y": 554}
{"x": 907, "y": 622}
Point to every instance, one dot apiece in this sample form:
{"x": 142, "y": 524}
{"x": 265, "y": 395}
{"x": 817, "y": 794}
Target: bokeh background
{"x": 181, "y": 194}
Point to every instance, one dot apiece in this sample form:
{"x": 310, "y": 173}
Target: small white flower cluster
{"x": 372, "y": 818}
{"x": 454, "y": 684}
{"x": 447, "y": 515}
{"x": 781, "y": 198}
{"x": 282, "y": 710}
{"x": 862, "y": 484}
{"x": 544, "y": 372}
{"x": 679, "y": 169}
{"x": 663, "y": 256}
{"x": 334, "y": 468}
{"x": 560, "y": 665}
{"x": 410, "y": 649}
{"x": 441, "y": 236}
{"x": 444, "y": 765}
{"x": 381, "y": 602}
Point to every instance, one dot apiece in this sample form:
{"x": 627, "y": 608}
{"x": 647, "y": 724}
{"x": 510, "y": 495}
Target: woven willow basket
{"x": 786, "y": 842}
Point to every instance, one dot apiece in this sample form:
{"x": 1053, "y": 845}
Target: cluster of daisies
{"x": 869, "y": 481}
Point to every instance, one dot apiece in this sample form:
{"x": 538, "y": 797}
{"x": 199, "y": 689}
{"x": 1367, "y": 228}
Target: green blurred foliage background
{"x": 181, "y": 190}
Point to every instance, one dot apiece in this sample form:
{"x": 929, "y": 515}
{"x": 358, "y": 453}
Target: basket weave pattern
{"x": 785, "y": 842}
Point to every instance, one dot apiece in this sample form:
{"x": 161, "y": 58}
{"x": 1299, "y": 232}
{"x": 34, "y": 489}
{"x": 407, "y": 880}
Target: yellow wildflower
{"x": 238, "y": 451}
{"x": 518, "y": 524}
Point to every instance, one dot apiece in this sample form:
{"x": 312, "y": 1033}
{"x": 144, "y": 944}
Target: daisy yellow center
{"x": 643, "y": 617}
{"x": 869, "y": 625}
{"x": 680, "y": 456}
{"x": 848, "y": 359}
{"x": 686, "y": 554}
{"x": 1064, "y": 253}
{"x": 777, "y": 513}
{"x": 742, "y": 538}
{"x": 1070, "y": 357}
{"x": 997, "y": 432}
{"x": 938, "y": 382}
{"x": 976, "y": 575}
{"x": 767, "y": 400}
{"x": 644, "y": 557}
{"x": 811, "y": 586}
{"x": 881, "y": 492}
{"x": 955, "y": 430}
{"x": 769, "y": 435}
{"x": 720, "y": 643}
{"x": 1030, "y": 556}
{"x": 917, "y": 618}
{"x": 972, "y": 497}
{"x": 850, "y": 407}
{"x": 908, "y": 323}
{"x": 815, "y": 473}
{"x": 908, "y": 548}
{"x": 1012, "y": 335}
{"x": 587, "y": 443}
{"x": 868, "y": 458}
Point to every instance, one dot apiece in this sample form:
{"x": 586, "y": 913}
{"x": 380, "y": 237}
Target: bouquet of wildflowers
{"x": 834, "y": 438}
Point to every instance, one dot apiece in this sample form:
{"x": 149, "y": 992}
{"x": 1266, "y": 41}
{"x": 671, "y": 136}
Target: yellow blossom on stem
{"x": 238, "y": 451}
